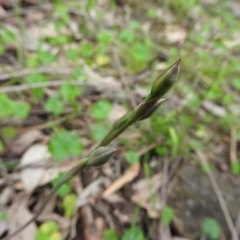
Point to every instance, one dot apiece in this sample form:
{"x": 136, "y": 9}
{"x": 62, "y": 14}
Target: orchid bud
{"x": 100, "y": 156}
{"x": 150, "y": 112}
{"x": 164, "y": 82}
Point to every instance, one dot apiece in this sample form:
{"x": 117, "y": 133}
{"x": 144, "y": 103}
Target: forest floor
{"x": 70, "y": 69}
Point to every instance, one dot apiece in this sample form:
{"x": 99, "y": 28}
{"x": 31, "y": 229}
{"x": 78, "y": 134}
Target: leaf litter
{"x": 129, "y": 185}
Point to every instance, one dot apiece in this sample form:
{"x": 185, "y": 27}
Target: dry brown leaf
{"x": 179, "y": 238}
{"x": 102, "y": 83}
{"x": 49, "y": 30}
{"x": 31, "y": 37}
{"x": 89, "y": 229}
{"x": 51, "y": 173}
{"x": 215, "y": 109}
{"x": 176, "y": 34}
{"x": 114, "y": 198}
{"x": 19, "y": 214}
{"x": 127, "y": 177}
{"x": 93, "y": 189}
{"x": 145, "y": 198}
{"x": 2, "y": 12}
{"x": 25, "y": 140}
{"x": 31, "y": 176}
{"x": 9, "y": 3}
{"x": 6, "y": 194}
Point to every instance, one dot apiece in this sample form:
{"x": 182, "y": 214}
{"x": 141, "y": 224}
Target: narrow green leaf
{"x": 167, "y": 215}
{"x": 174, "y": 141}
{"x": 69, "y": 205}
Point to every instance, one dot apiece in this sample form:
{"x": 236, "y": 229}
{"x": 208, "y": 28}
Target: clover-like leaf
{"x": 64, "y": 144}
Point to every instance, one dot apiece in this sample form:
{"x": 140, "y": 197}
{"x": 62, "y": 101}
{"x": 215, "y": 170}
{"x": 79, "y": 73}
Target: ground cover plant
{"x": 70, "y": 69}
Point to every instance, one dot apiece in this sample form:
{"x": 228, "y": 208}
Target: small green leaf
{"x": 33, "y": 61}
{"x": 55, "y": 236}
{"x": 235, "y": 167}
{"x": 77, "y": 74}
{"x": 228, "y": 99}
{"x": 41, "y": 235}
{"x": 59, "y": 25}
{"x": 21, "y": 110}
{"x": 133, "y": 233}
{"x": 46, "y": 57}
{"x": 152, "y": 13}
{"x": 3, "y": 215}
{"x": 132, "y": 157}
{"x": 104, "y": 37}
{"x": 140, "y": 52}
{"x": 8, "y": 36}
{"x": 236, "y": 83}
{"x": 90, "y": 4}
{"x": 72, "y": 55}
{"x": 1, "y": 146}
{"x": 195, "y": 144}
{"x": 161, "y": 150}
{"x": 6, "y": 106}
{"x": 54, "y": 105}
{"x": 37, "y": 78}
{"x": 59, "y": 40}
{"x": 127, "y": 35}
{"x": 186, "y": 120}
{"x": 101, "y": 109}
{"x": 2, "y": 49}
{"x": 64, "y": 144}
{"x": 110, "y": 234}
{"x": 167, "y": 215}
{"x": 211, "y": 227}
{"x": 86, "y": 50}
{"x": 207, "y": 167}
{"x": 48, "y": 231}
{"x": 8, "y": 132}
{"x": 69, "y": 92}
{"x": 98, "y": 131}
{"x": 64, "y": 189}
{"x": 69, "y": 205}
{"x": 62, "y": 10}
{"x": 49, "y": 227}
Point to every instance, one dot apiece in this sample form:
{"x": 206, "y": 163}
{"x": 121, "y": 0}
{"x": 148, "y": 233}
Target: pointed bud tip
{"x": 176, "y": 65}
{"x": 179, "y": 61}
{"x": 175, "y": 68}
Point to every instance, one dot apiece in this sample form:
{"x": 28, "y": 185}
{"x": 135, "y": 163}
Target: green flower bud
{"x": 142, "y": 109}
{"x": 100, "y": 156}
{"x": 150, "y": 111}
{"x": 164, "y": 82}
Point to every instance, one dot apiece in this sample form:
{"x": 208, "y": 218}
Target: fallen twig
{"x": 203, "y": 161}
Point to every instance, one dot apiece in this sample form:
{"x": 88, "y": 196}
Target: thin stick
{"x": 202, "y": 159}
{"x": 233, "y": 145}
{"x": 27, "y": 71}
{"x": 53, "y": 83}
{"x": 11, "y": 13}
